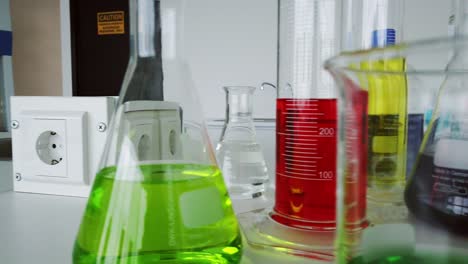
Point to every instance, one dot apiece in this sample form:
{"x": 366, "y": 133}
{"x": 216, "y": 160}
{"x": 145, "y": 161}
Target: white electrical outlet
{"x": 57, "y": 142}
{"x": 156, "y": 128}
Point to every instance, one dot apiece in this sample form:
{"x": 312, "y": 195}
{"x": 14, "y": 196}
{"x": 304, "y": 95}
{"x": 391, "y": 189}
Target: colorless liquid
{"x": 244, "y": 169}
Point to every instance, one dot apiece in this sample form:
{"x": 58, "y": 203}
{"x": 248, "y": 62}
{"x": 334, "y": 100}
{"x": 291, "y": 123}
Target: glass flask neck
{"x": 156, "y": 43}
{"x": 239, "y": 124}
{"x": 239, "y": 104}
{"x": 145, "y": 29}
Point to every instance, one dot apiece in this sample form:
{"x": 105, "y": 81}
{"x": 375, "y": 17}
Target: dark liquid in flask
{"x": 415, "y": 136}
{"x": 306, "y": 163}
{"x": 438, "y": 196}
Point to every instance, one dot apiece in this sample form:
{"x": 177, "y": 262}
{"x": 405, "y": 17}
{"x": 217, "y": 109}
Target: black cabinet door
{"x": 100, "y": 46}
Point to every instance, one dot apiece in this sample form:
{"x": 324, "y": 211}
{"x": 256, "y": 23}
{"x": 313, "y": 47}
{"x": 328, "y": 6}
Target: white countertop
{"x": 41, "y": 229}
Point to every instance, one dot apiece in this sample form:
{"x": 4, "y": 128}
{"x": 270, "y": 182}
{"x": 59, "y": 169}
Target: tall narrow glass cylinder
{"x": 302, "y": 220}
{"x": 306, "y": 115}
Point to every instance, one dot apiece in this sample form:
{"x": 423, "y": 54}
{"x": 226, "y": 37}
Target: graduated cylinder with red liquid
{"x": 307, "y": 127}
{"x": 306, "y": 162}
{"x": 312, "y": 150}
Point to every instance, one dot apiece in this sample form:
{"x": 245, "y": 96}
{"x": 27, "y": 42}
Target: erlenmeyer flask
{"x": 239, "y": 155}
{"x": 438, "y": 190}
{"x": 159, "y": 196}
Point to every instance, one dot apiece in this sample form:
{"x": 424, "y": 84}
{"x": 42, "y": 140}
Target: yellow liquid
{"x": 387, "y": 110}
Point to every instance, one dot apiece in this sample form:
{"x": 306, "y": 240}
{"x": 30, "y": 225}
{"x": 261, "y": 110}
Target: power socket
{"x": 58, "y": 142}
{"x": 155, "y": 129}
{"x": 50, "y": 147}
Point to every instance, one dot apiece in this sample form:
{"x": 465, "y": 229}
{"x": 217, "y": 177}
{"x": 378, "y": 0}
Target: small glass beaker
{"x": 239, "y": 155}
{"x": 432, "y": 233}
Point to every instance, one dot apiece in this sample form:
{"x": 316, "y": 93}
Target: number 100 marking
{"x": 326, "y": 174}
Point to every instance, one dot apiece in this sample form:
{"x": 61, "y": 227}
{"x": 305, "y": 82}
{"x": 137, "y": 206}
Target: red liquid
{"x": 306, "y": 162}
{"x": 356, "y": 124}
{"x": 306, "y": 155}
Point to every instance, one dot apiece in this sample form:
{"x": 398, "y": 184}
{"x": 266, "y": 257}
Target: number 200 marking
{"x": 326, "y": 131}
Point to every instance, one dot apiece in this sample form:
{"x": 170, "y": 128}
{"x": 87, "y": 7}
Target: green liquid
{"x": 422, "y": 258}
{"x": 178, "y": 213}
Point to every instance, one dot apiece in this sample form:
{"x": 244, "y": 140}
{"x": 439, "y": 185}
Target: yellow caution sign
{"x": 111, "y": 23}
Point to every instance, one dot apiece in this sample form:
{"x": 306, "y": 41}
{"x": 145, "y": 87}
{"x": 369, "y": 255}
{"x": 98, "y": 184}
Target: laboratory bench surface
{"x": 41, "y": 229}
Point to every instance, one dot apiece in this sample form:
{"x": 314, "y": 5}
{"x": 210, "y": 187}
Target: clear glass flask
{"x": 303, "y": 218}
{"x": 159, "y": 196}
{"x": 239, "y": 155}
{"x": 434, "y": 232}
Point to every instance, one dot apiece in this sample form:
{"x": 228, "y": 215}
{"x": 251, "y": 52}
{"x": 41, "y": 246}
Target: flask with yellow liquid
{"x": 379, "y": 24}
{"x": 387, "y": 124}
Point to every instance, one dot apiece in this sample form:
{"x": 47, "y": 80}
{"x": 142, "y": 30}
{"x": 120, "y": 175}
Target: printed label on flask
{"x": 450, "y": 188}
{"x": 450, "y": 176}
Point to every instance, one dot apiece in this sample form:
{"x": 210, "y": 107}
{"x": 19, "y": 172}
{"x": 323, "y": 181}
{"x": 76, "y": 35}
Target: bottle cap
{"x": 383, "y": 37}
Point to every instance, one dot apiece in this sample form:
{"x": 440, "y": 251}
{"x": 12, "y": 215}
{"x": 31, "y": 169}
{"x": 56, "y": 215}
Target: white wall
{"x": 233, "y": 43}
{"x": 238, "y": 40}
{"x": 426, "y": 19}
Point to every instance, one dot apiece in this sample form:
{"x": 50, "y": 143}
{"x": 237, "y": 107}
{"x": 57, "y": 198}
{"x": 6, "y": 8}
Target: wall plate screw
{"x": 18, "y": 176}
{"x": 14, "y": 124}
{"x": 102, "y": 127}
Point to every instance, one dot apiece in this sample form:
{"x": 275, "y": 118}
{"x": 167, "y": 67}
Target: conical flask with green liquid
{"x": 159, "y": 196}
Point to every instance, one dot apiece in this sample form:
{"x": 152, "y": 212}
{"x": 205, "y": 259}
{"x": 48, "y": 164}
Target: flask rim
{"x": 451, "y": 46}
{"x": 239, "y": 89}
